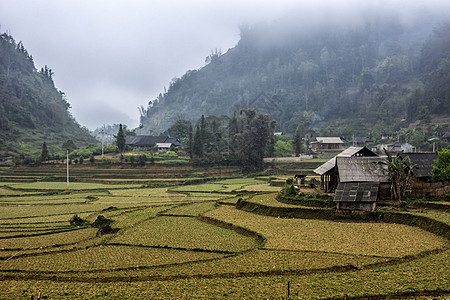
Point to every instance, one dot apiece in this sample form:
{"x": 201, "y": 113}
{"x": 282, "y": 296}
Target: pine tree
{"x": 120, "y": 139}
{"x": 298, "y": 145}
{"x": 254, "y": 138}
{"x": 197, "y": 147}
{"x": 44, "y": 152}
{"x": 190, "y": 142}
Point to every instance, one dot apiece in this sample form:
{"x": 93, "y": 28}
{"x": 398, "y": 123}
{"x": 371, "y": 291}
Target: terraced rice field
{"x": 190, "y": 242}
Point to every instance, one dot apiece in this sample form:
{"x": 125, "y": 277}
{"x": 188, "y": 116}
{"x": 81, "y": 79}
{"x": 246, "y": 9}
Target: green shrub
{"x": 441, "y": 168}
{"x": 142, "y": 159}
{"x": 101, "y": 221}
{"x": 77, "y": 221}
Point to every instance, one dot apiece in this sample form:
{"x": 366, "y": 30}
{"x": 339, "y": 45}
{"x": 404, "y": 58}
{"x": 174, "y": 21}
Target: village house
{"x": 359, "y": 178}
{"x": 360, "y": 183}
{"x": 446, "y": 136}
{"x": 329, "y": 175}
{"x": 361, "y": 141}
{"x": 395, "y": 147}
{"x": 422, "y": 172}
{"x": 161, "y": 143}
{"x": 401, "y": 147}
{"x": 326, "y": 143}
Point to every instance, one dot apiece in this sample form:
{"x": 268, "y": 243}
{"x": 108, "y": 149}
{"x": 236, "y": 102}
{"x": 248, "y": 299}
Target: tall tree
{"x": 298, "y": 144}
{"x": 44, "y": 152}
{"x": 255, "y": 135}
{"x": 120, "y": 139}
{"x": 197, "y": 147}
{"x": 180, "y": 129}
{"x": 69, "y": 146}
{"x": 203, "y": 132}
{"x": 233, "y": 133}
{"x": 190, "y": 142}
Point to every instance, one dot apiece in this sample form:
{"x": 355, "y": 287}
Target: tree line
{"x": 244, "y": 138}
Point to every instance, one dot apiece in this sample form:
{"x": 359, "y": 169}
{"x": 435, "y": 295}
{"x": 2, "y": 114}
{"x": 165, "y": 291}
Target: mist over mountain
{"x": 341, "y": 74}
{"x": 32, "y": 110}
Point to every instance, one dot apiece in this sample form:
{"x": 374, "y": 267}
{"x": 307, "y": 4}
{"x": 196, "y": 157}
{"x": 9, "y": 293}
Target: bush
{"x": 142, "y": 159}
{"x": 441, "y": 168}
{"x": 101, "y": 221}
{"x": 289, "y": 189}
{"x": 77, "y": 221}
{"x": 107, "y": 229}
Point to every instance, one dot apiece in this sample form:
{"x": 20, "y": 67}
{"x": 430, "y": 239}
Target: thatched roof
{"x": 424, "y": 163}
{"x": 349, "y": 152}
{"x": 361, "y": 169}
{"x": 357, "y": 192}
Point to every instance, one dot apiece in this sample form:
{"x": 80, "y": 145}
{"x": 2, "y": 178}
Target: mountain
{"x": 32, "y": 110}
{"x": 362, "y": 79}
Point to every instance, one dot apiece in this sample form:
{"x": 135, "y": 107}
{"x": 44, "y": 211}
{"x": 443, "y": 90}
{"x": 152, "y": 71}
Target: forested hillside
{"x": 340, "y": 80}
{"x": 32, "y": 110}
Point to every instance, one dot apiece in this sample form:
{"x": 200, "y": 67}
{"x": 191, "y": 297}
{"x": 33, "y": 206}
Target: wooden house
{"x": 163, "y": 147}
{"x": 361, "y": 141}
{"x": 401, "y": 147}
{"x": 423, "y": 163}
{"x": 150, "y": 141}
{"x": 422, "y": 173}
{"x": 327, "y": 143}
{"x": 329, "y": 175}
{"x": 360, "y": 179}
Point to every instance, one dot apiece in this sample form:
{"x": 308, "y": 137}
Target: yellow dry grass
{"x": 378, "y": 239}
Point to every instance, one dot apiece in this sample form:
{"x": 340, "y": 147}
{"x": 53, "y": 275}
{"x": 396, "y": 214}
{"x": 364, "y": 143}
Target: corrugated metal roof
{"x": 163, "y": 145}
{"x": 424, "y": 163}
{"x": 149, "y": 140}
{"x": 325, "y": 167}
{"x": 329, "y": 140}
{"x": 349, "y": 152}
{"x": 361, "y": 169}
{"x": 357, "y": 192}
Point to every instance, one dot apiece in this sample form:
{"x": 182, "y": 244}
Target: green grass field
{"x": 190, "y": 242}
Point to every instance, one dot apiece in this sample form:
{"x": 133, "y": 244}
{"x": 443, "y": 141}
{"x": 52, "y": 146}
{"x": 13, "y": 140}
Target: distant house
{"x": 328, "y": 143}
{"x": 401, "y": 147}
{"x": 446, "y": 136}
{"x": 360, "y": 180}
{"x": 361, "y": 141}
{"x": 149, "y": 141}
{"x": 329, "y": 175}
{"x": 163, "y": 147}
{"x": 396, "y": 147}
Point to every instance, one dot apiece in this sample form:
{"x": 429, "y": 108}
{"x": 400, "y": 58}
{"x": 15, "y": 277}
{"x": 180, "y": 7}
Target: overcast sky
{"x": 112, "y": 56}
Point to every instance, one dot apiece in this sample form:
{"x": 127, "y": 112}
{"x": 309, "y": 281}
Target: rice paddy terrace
{"x": 177, "y": 232}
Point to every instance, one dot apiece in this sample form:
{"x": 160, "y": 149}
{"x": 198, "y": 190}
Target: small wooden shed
{"x": 359, "y": 182}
